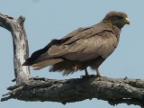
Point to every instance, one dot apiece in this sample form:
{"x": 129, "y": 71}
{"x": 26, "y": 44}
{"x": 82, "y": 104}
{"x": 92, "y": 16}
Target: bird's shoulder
{"x": 100, "y": 29}
{"x": 85, "y": 33}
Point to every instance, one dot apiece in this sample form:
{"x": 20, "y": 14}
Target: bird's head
{"x": 118, "y": 19}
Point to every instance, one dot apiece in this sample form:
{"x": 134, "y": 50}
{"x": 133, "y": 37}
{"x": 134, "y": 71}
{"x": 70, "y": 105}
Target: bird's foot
{"x": 89, "y": 76}
{"x": 95, "y": 75}
{"x": 98, "y": 75}
{"x": 92, "y": 76}
{"x": 84, "y": 76}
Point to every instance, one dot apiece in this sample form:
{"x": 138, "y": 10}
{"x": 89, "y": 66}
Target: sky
{"x": 49, "y": 19}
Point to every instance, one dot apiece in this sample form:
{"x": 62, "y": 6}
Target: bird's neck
{"x": 116, "y": 29}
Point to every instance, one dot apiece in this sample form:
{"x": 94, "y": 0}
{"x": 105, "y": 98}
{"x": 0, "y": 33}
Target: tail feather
{"x": 45, "y": 63}
{"x": 33, "y": 60}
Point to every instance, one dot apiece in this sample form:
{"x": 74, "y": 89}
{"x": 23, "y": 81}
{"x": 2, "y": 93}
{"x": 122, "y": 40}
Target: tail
{"x": 41, "y": 59}
{"x": 36, "y": 57}
{"x": 45, "y": 63}
{"x": 41, "y": 62}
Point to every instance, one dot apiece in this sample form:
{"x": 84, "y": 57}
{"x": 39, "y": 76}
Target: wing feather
{"x": 85, "y": 33}
{"x": 88, "y": 49}
{"x": 82, "y": 44}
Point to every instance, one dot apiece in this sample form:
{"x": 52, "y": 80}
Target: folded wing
{"x": 81, "y": 45}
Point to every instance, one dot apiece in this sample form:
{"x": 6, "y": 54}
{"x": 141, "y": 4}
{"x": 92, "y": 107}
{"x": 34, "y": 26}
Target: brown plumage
{"x": 81, "y": 48}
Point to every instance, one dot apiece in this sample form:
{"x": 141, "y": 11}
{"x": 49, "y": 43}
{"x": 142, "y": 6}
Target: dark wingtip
{"x": 30, "y": 61}
{"x": 24, "y": 64}
{"x": 27, "y": 62}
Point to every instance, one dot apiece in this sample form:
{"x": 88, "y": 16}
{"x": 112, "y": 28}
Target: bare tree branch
{"x": 20, "y": 45}
{"x": 115, "y": 91}
{"x": 130, "y": 91}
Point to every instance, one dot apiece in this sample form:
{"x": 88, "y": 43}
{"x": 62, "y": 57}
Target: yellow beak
{"x": 127, "y": 21}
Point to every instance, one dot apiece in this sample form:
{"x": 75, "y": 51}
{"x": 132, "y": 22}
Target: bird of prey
{"x": 82, "y": 48}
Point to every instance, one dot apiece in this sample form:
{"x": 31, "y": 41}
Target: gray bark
{"x": 20, "y": 45}
{"x": 115, "y": 91}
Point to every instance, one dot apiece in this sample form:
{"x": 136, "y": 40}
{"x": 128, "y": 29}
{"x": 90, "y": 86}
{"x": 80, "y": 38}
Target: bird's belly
{"x": 94, "y": 63}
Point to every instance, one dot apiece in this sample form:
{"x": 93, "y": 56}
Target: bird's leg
{"x": 97, "y": 73}
{"x": 86, "y": 72}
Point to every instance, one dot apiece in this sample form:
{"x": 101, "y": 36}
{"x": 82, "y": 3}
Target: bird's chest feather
{"x": 102, "y": 45}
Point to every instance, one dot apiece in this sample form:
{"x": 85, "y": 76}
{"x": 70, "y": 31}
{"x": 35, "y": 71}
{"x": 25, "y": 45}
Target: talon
{"x": 86, "y": 72}
{"x": 97, "y": 73}
{"x": 84, "y": 76}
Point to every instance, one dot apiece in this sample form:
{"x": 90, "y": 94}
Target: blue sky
{"x": 48, "y": 19}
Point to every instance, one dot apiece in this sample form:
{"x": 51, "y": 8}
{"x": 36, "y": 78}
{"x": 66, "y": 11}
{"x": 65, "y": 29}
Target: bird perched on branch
{"x": 84, "y": 47}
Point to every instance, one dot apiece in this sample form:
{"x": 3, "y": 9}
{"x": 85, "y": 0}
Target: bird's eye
{"x": 119, "y": 17}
